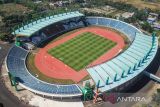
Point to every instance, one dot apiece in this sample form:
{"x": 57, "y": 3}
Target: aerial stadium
{"x": 71, "y": 48}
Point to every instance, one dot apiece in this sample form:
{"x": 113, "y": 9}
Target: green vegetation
{"x": 81, "y": 50}
{"x": 11, "y": 14}
{"x": 147, "y": 27}
{"x": 141, "y": 9}
{"x": 142, "y": 4}
{"x": 158, "y": 34}
{"x": 15, "y": 12}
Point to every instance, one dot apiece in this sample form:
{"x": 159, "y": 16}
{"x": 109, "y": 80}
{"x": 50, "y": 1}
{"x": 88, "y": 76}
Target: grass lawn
{"x": 82, "y": 50}
{"x": 141, "y": 4}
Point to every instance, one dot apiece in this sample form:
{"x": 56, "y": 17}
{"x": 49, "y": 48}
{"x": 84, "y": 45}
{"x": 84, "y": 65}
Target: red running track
{"x": 52, "y": 67}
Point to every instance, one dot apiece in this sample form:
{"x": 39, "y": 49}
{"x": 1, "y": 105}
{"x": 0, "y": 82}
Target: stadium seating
{"x": 56, "y": 28}
{"x": 129, "y": 30}
{"x": 45, "y": 28}
{"x": 17, "y": 67}
{"x": 127, "y": 65}
{"x": 111, "y": 74}
{"x": 113, "y": 23}
{"x": 92, "y": 21}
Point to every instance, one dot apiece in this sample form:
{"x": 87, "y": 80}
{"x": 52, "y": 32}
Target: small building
{"x": 59, "y": 3}
{"x": 153, "y": 14}
{"x": 127, "y": 15}
{"x": 28, "y": 46}
{"x": 151, "y": 20}
{"x": 156, "y": 26}
{"x": 38, "y": 1}
{"x": 153, "y": 17}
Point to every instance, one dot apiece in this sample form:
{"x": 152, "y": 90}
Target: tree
{"x": 1, "y": 1}
{"x": 6, "y": 37}
{"x": 146, "y": 26}
{"x": 141, "y": 15}
{"x": 131, "y": 20}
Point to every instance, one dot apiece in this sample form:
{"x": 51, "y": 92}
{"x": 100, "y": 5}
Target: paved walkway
{"x": 42, "y": 102}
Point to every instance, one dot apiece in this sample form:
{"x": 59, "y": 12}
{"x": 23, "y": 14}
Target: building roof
{"x": 31, "y": 28}
{"x": 153, "y": 14}
{"x": 127, "y": 14}
{"x": 127, "y": 65}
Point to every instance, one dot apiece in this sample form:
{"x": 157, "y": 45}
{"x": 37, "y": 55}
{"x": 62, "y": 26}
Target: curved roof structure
{"x": 111, "y": 74}
{"x": 30, "y": 28}
{"x": 127, "y": 65}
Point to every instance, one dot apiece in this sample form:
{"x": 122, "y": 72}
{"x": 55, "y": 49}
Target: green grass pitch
{"x": 81, "y": 50}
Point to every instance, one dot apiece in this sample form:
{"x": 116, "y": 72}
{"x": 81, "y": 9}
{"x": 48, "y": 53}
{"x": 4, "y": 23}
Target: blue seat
{"x": 16, "y": 66}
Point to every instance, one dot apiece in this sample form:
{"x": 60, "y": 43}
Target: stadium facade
{"x": 113, "y": 75}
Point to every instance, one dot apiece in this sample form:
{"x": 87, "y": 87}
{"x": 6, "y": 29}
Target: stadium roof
{"x": 127, "y": 65}
{"x": 31, "y": 28}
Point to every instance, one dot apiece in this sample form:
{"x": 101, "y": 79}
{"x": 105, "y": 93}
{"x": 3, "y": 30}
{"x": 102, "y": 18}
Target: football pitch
{"x": 82, "y": 50}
